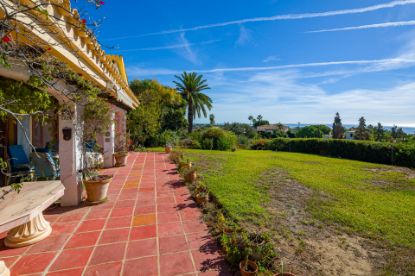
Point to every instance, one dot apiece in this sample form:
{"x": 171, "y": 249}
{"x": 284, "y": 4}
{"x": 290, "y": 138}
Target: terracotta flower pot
{"x": 201, "y": 199}
{"x": 120, "y": 159}
{"x": 97, "y": 188}
{"x": 185, "y": 166}
{"x": 190, "y": 177}
{"x": 252, "y": 268}
{"x": 168, "y": 149}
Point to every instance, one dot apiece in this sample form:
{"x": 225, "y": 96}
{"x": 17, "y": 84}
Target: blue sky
{"x": 291, "y": 61}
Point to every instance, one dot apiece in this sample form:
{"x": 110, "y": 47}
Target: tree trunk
{"x": 190, "y": 116}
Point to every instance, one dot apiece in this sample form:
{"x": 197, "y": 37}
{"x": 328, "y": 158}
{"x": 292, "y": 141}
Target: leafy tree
{"x": 279, "y": 134}
{"x": 397, "y": 133}
{"x": 314, "y": 131}
{"x": 190, "y": 86}
{"x": 241, "y": 129}
{"x": 338, "y": 129}
{"x": 160, "y": 107}
{"x": 400, "y": 133}
{"x": 379, "y": 132}
{"x": 251, "y": 119}
{"x": 259, "y": 121}
{"x": 174, "y": 119}
{"x": 362, "y": 132}
{"x": 212, "y": 119}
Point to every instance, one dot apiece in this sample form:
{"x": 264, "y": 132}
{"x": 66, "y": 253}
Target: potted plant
{"x": 96, "y": 186}
{"x": 121, "y": 152}
{"x": 190, "y": 175}
{"x": 168, "y": 148}
{"x": 176, "y": 156}
{"x": 97, "y": 119}
{"x": 185, "y": 165}
{"x": 248, "y": 267}
{"x": 201, "y": 194}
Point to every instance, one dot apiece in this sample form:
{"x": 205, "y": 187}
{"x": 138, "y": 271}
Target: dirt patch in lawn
{"x": 308, "y": 246}
{"x": 393, "y": 178}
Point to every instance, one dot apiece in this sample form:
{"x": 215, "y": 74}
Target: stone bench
{"x": 21, "y": 213}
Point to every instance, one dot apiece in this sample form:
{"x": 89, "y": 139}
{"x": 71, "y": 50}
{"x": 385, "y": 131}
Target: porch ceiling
{"x": 65, "y": 36}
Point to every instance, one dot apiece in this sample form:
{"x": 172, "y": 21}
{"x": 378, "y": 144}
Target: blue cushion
{"x": 44, "y": 165}
{"x": 17, "y": 156}
{"x": 90, "y": 145}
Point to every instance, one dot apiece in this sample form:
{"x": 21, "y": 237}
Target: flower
{"x": 6, "y": 39}
{"x": 101, "y": 2}
{"x": 83, "y": 21}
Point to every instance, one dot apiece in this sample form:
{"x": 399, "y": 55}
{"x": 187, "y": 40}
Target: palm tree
{"x": 190, "y": 86}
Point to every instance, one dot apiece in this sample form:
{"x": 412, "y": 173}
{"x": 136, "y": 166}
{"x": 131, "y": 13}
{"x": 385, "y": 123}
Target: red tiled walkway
{"x": 149, "y": 226}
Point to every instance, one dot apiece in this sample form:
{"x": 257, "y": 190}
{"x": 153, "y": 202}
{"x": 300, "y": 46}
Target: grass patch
{"x": 353, "y": 197}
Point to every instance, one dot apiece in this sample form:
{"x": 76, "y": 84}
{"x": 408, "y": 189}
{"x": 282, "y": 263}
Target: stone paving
{"x": 149, "y": 226}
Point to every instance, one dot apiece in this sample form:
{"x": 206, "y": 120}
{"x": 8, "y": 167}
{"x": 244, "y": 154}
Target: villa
{"x": 137, "y": 227}
{"x": 104, "y": 173}
{"x": 79, "y": 50}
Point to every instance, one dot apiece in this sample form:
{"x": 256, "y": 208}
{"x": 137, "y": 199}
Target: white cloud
{"x": 169, "y": 47}
{"x": 270, "y": 59}
{"x": 370, "y": 26}
{"x": 187, "y": 52}
{"x": 376, "y": 65}
{"x": 139, "y": 72}
{"x": 244, "y": 37}
{"x": 372, "y": 8}
{"x": 282, "y": 97}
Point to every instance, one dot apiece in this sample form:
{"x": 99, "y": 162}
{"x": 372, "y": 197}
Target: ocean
{"x": 407, "y": 130}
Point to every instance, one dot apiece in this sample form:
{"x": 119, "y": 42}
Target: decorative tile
{"x": 174, "y": 264}
{"x": 141, "y": 248}
{"x": 72, "y": 258}
{"x": 141, "y": 267}
{"x": 108, "y": 253}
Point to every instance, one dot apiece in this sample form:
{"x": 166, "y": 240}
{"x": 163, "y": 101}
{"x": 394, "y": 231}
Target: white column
{"x": 109, "y": 143}
{"x": 70, "y": 156}
{"x": 24, "y": 133}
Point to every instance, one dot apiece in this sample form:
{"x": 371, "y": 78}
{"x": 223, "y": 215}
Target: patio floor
{"x": 149, "y": 226}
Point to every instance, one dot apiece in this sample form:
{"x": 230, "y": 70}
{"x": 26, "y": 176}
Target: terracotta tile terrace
{"x": 149, "y": 226}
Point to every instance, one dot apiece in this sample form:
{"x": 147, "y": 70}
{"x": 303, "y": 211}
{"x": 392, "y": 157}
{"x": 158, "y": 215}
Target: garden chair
{"x": 19, "y": 166}
{"x": 45, "y": 166}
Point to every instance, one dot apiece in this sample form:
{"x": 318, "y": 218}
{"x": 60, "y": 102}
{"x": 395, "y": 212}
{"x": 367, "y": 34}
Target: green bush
{"x": 215, "y": 138}
{"x": 243, "y": 141}
{"x": 369, "y": 151}
{"x": 189, "y": 143}
{"x": 260, "y": 144}
{"x": 168, "y": 137}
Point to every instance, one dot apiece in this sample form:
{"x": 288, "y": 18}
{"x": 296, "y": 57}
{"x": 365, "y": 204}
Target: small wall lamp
{"x": 67, "y": 133}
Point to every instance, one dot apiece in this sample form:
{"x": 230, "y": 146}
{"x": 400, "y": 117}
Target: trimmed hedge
{"x": 369, "y": 151}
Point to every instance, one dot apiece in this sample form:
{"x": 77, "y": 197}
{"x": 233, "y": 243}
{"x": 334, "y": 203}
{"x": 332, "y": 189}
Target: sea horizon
{"x": 406, "y": 129}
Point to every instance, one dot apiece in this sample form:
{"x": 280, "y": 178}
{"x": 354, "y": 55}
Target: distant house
{"x": 272, "y": 128}
{"x": 349, "y": 135}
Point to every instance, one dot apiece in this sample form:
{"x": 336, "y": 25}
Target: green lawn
{"x": 373, "y": 200}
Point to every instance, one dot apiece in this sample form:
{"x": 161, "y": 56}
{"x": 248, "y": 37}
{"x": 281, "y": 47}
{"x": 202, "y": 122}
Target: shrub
{"x": 190, "y": 143}
{"x": 176, "y": 157}
{"x": 369, "y": 151}
{"x": 207, "y": 143}
{"x": 168, "y": 137}
{"x": 243, "y": 141}
{"x": 260, "y": 144}
{"x": 215, "y": 138}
